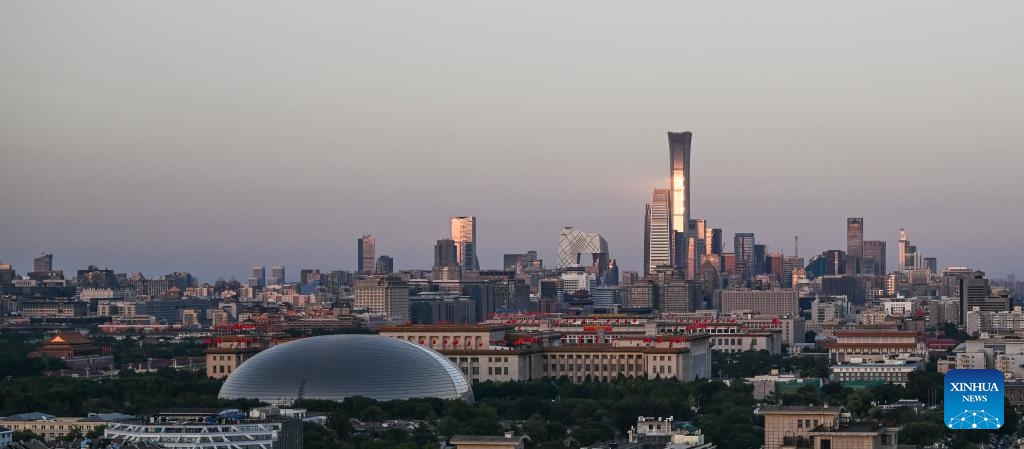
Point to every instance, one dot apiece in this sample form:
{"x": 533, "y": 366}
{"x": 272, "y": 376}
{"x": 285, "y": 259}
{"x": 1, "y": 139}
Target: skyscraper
{"x": 574, "y": 244}
{"x": 854, "y": 244}
{"x": 277, "y": 275}
{"x": 259, "y": 277}
{"x": 464, "y": 235}
{"x": 445, "y": 254}
{"x": 874, "y": 257}
{"x": 366, "y": 247}
{"x": 679, "y": 158}
{"x": 743, "y": 247}
{"x": 43, "y": 263}
{"x": 385, "y": 265}
{"x": 658, "y": 231}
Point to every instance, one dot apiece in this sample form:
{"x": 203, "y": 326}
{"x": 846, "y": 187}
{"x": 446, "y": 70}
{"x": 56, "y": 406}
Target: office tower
{"x": 7, "y": 274}
{"x": 277, "y": 275}
{"x": 729, "y": 263}
{"x": 385, "y": 265}
{"x": 789, "y": 265}
{"x": 43, "y": 263}
{"x": 573, "y": 244}
{"x": 902, "y": 251}
{"x": 835, "y": 262}
{"x": 611, "y": 274}
{"x": 464, "y": 235}
{"x": 743, "y": 247}
{"x": 679, "y": 158}
{"x": 445, "y": 254}
{"x": 716, "y": 241}
{"x": 366, "y": 248}
{"x": 696, "y": 246}
{"x": 776, "y": 265}
{"x": 307, "y": 275}
{"x": 658, "y": 231}
{"x": 385, "y": 295}
{"x": 259, "y": 277}
{"x": 760, "y": 264}
{"x": 974, "y": 293}
{"x": 932, "y": 264}
{"x": 854, "y": 244}
{"x": 873, "y": 261}
{"x": 909, "y": 258}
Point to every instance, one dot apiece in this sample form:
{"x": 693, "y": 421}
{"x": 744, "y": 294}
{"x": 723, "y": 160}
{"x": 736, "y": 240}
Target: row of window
{"x": 594, "y": 367}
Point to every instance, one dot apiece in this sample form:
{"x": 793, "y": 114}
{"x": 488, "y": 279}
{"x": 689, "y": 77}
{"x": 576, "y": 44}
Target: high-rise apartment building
{"x": 366, "y": 246}
{"x": 277, "y": 275}
{"x": 854, "y": 244}
{"x": 43, "y": 263}
{"x": 464, "y": 235}
{"x": 385, "y": 265}
{"x": 679, "y": 158}
{"x": 658, "y": 231}
{"x": 873, "y": 261}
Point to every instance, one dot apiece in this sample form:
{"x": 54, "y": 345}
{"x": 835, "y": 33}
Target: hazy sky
{"x": 212, "y": 136}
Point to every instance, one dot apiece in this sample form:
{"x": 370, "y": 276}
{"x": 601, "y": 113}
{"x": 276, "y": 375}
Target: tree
{"x": 859, "y": 402}
{"x": 96, "y": 432}
{"x": 810, "y": 336}
{"x": 24, "y": 435}
{"x": 373, "y": 414}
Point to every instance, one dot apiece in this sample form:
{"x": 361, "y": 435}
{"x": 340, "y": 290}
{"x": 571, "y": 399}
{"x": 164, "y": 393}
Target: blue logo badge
{"x": 974, "y": 399}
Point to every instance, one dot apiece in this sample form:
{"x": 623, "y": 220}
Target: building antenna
{"x": 796, "y": 246}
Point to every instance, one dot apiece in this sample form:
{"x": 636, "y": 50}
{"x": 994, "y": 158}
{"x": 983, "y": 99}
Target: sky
{"x": 213, "y": 136}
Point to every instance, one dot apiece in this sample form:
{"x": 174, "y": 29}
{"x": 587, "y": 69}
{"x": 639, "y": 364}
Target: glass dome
{"x": 334, "y": 367}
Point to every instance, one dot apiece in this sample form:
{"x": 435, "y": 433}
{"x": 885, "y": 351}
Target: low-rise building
{"x": 49, "y": 427}
{"x": 855, "y": 345}
{"x": 507, "y": 441}
{"x": 207, "y": 429}
{"x": 889, "y": 371}
{"x": 817, "y": 427}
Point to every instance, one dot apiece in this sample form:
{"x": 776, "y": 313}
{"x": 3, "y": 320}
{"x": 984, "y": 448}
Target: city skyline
{"x": 779, "y": 119}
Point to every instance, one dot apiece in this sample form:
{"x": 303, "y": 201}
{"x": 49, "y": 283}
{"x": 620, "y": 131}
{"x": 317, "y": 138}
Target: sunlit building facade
{"x": 464, "y": 235}
{"x": 657, "y": 231}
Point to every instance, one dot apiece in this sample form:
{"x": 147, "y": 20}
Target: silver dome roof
{"x": 335, "y": 367}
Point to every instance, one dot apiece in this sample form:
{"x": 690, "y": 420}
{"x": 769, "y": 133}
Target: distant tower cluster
{"x": 909, "y": 257}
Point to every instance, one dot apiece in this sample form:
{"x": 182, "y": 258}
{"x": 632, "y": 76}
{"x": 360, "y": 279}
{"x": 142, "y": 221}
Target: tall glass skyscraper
{"x": 854, "y": 244}
{"x": 464, "y": 235}
{"x": 366, "y": 259}
{"x": 658, "y": 231}
{"x": 679, "y": 156}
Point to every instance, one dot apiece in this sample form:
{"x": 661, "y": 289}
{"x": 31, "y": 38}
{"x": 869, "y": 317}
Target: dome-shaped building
{"x": 334, "y": 367}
